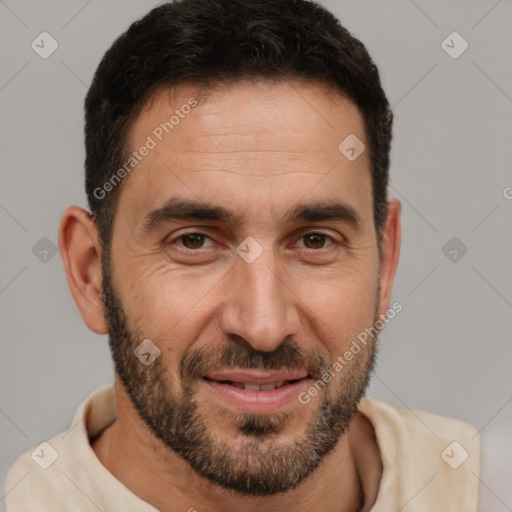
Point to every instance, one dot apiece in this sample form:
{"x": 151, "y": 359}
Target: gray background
{"x": 449, "y": 351}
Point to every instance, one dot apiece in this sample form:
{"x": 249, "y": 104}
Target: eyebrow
{"x": 186, "y": 209}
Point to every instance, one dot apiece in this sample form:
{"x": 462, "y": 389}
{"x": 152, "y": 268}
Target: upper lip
{"x": 260, "y": 377}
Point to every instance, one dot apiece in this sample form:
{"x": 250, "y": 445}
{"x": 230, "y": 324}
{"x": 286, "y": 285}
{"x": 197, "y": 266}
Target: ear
{"x": 80, "y": 249}
{"x": 391, "y": 239}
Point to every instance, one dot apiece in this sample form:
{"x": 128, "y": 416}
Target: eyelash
{"x": 199, "y": 250}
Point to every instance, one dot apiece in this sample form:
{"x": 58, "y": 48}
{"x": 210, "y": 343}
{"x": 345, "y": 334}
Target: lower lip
{"x": 258, "y": 402}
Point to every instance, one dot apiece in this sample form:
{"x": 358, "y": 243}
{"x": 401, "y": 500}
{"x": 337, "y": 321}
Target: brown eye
{"x": 193, "y": 240}
{"x": 314, "y": 240}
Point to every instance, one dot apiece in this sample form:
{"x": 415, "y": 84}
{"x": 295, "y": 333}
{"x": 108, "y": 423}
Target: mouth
{"x": 256, "y": 387}
{"x": 257, "y": 391}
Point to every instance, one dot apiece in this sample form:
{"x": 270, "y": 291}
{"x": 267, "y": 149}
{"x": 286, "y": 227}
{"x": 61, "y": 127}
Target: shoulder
{"x": 48, "y": 476}
{"x": 426, "y": 453}
{"x": 35, "y": 479}
{"x": 415, "y": 422}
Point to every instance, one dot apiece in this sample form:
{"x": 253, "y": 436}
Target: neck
{"x": 345, "y": 481}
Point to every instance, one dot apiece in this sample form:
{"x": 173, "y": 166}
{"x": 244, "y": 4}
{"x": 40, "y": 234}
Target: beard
{"x": 255, "y": 462}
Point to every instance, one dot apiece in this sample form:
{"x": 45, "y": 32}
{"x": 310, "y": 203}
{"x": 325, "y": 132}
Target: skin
{"x": 260, "y": 149}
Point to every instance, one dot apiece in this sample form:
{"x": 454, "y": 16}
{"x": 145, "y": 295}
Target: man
{"x": 240, "y": 253}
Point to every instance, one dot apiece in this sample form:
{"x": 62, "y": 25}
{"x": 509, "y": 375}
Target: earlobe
{"x": 391, "y": 240}
{"x": 80, "y": 249}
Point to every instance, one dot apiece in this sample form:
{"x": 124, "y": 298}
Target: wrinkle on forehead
{"x": 267, "y": 113}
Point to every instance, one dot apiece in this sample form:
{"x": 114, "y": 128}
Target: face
{"x": 244, "y": 249}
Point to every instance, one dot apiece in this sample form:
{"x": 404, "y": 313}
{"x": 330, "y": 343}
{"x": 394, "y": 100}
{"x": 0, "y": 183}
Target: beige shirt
{"x": 430, "y": 464}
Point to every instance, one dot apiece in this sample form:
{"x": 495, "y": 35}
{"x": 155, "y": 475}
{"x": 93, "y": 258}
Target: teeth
{"x": 251, "y": 387}
{"x": 262, "y": 387}
{"x": 272, "y": 385}
{"x": 257, "y": 387}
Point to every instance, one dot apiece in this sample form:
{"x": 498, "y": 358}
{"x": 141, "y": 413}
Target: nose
{"x": 259, "y": 305}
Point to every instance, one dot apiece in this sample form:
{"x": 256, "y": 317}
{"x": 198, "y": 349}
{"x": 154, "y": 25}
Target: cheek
{"x": 340, "y": 312}
{"x": 169, "y": 307}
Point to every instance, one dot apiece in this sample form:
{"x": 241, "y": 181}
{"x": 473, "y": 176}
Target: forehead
{"x": 252, "y": 145}
{"x": 254, "y": 112}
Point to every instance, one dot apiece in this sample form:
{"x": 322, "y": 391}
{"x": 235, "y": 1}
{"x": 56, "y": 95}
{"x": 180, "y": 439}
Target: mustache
{"x": 239, "y": 354}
